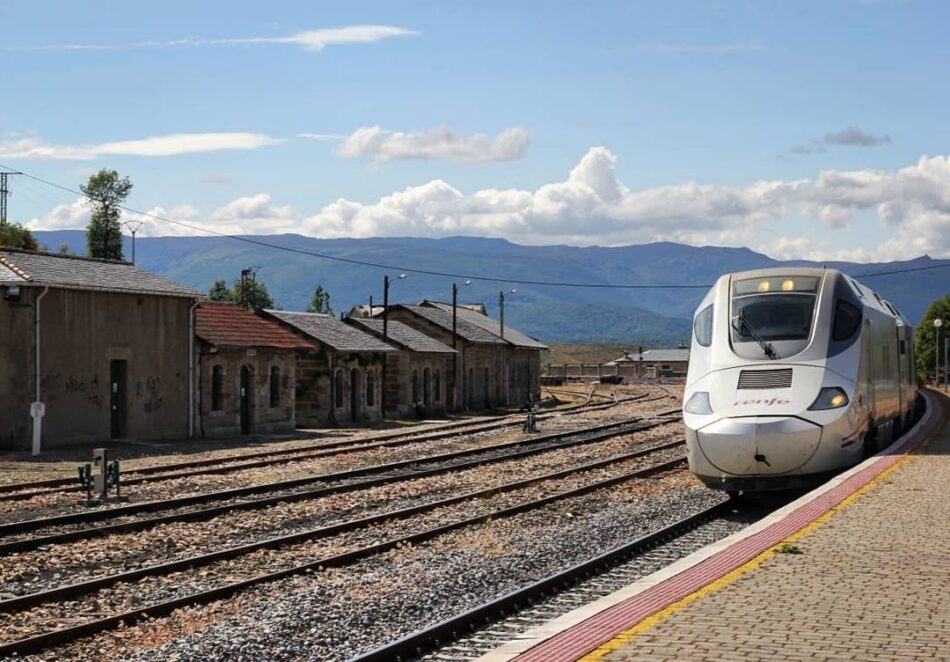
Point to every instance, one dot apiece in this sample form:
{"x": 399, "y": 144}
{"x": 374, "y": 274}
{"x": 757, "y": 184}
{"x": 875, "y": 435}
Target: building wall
{"x": 630, "y": 370}
{"x": 264, "y": 419}
{"x": 320, "y": 404}
{"x": 401, "y": 399}
{"x": 81, "y": 333}
{"x": 513, "y": 373}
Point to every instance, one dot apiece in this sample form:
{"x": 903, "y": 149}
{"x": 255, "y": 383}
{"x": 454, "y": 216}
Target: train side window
{"x": 847, "y": 321}
{"x": 702, "y": 326}
{"x": 903, "y": 347}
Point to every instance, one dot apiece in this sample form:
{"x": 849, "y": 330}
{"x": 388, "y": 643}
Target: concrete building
{"x": 490, "y": 370}
{"x": 339, "y": 378}
{"x": 650, "y": 364}
{"x": 103, "y": 345}
{"x": 246, "y": 372}
{"x": 415, "y": 377}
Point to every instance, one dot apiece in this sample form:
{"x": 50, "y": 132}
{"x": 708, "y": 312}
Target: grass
{"x": 788, "y": 548}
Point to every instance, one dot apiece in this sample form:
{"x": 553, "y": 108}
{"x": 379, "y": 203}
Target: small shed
{"x": 246, "y": 372}
{"x": 340, "y": 374}
{"x": 102, "y": 346}
{"x": 415, "y": 377}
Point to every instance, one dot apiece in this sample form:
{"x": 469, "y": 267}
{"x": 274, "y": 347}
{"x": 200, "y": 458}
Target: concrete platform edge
{"x": 552, "y": 640}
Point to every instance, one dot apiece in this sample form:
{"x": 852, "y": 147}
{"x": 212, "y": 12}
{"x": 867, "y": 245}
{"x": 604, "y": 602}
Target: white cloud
{"x": 438, "y": 143}
{"x": 592, "y": 206}
{"x": 850, "y": 136}
{"x": 311, "y": 40}
{"x": 19, "y": 146}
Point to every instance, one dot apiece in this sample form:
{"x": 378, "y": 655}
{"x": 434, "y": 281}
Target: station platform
{"x": 858, "y": 569}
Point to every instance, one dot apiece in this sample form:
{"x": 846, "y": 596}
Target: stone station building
{"x": 103, "y": 345}
{"x": 339, "y": 377}
{"x": 415, "y": 377}
{"x": 491, "y": 370}
{"x": 246, "y": 372}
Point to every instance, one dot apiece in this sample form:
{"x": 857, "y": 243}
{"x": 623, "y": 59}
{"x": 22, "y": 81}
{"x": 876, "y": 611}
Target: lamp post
{"x": 937, "y": 324}
{"x": 386, "y": 282}
{"x": 501, "y": 309}
{"x": 133, "y": 226}
{"x": 455, "y": 357}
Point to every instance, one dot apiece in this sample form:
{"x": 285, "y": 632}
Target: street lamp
{"x": 937, "y": 324}
{"x": 501, "y": 309}
{"x": 455, "y": 357}
{"x": 386, "y": 282}
{"x": 133, "y": 226}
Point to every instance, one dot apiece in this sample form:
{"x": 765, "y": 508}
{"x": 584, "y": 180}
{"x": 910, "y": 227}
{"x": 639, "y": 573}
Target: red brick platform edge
{"x": 601, "y": 628}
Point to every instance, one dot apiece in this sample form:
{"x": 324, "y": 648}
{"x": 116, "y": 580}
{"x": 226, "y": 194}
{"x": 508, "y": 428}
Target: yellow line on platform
{"x": 630, "y": 634}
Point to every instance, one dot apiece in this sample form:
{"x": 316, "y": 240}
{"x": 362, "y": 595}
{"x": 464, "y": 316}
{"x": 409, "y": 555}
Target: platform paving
{"x": 872, "y": 582}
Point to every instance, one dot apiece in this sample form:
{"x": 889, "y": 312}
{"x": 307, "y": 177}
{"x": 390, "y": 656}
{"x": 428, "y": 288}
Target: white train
{"x": 794, "y": 373}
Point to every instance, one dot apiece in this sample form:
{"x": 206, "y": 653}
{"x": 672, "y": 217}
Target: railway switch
{"x": 100, "y": 476}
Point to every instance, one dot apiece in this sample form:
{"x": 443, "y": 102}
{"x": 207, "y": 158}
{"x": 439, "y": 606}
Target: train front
{"x": 771, "y": 388}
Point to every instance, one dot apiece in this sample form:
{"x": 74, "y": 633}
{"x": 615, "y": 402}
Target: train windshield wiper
{"x": 766, "y": 346}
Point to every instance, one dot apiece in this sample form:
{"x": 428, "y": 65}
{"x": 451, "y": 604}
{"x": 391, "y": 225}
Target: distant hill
{"x": 649, "y": 317}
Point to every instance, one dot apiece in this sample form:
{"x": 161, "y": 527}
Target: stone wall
{"x": 326, "y": 391}
{"x": 264, "y": 419}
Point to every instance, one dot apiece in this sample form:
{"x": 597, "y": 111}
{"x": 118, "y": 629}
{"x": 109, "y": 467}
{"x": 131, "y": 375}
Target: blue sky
{"x": 800, "y": 129}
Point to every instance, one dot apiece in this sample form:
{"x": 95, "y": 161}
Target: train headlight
{"x": 698, "y": 403}
{"x": 831, "y": 397}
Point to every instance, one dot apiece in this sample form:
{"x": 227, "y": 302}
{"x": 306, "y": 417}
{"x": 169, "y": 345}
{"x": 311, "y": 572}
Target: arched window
{"x": 437, "y": 386}
{"x": 338, "y": 388}
{"x": 370, "y": 389}
{"x": 274, "y": 386}
{"x": 426, "y": 394}
{"x": 415, "y": 386}
{"x": 217, "y": 383}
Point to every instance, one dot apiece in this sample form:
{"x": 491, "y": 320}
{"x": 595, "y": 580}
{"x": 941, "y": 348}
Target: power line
{"x": 426, "y": 272}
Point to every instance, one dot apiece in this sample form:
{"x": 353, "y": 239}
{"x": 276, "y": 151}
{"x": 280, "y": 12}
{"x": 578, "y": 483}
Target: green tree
{"x": 258, "y": 298}
{"x": 926, "y": 335}
{"x": 64, "y": 249}
{"x": 106, "y": 192}
{"x": 220, "y": 292}
{"x": 14, "y": 235}
{"x": 320, "y": 303}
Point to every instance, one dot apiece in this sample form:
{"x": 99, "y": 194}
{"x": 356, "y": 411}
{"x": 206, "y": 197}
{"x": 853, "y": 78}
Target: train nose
{"x": 759, "y": 445}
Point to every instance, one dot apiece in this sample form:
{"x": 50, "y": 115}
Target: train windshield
{"x": 778, "y": 308}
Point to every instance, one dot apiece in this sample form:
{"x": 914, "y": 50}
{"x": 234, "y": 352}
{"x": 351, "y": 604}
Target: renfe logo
{"x": 767, "y": 403}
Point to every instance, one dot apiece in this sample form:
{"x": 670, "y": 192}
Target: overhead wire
{"x": 427, "y": 272}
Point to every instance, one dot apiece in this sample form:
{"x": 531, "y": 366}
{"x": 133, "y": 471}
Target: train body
{"x": 794, "y": 373}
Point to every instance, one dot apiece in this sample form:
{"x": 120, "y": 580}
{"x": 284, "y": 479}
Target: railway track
{"x": 344, "y": 481}
{"x": 92, "y": 597}
{"x": 481, "y": 629}
{"x": 174, "y": 471}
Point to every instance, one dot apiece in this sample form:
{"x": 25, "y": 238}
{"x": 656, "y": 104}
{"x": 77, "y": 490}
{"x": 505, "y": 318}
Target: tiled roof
{"x": 66, "y": 271}
{"x": 227, "y": 325}
{"x": 654, "y": 355}
{"x": 465, "y": 330}
{"x": 513, "y": 336}
{"x": 331, "y": 332}
{"x": 403, "y": 335}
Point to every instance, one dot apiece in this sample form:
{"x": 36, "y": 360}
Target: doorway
{"x": 118, "y": 404}
{"x": 354, "y": 394}
{"x": 246, "y": 399}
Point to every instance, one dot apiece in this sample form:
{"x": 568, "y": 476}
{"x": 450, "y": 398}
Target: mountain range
{"x": 648, "y": 317}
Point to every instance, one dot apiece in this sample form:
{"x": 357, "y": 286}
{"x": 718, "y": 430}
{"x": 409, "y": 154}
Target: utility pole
{"x": 501, "y": 309}
{"x": 133, "y": 226}
{"x": 937, "y": 324}
{"x": 386, "y": 303}
{"x": 4, "y": 192}
{"x": 455, "y": 357}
